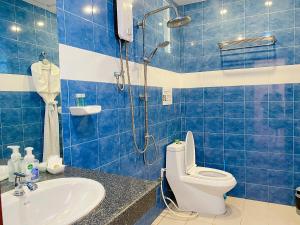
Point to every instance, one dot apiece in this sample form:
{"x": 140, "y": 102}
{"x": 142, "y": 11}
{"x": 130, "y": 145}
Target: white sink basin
{"x": 56, "y": 202}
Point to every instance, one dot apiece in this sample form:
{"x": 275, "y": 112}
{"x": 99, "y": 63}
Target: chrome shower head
{"x": 179, "y": 21}
{"x": 160, "y": 45}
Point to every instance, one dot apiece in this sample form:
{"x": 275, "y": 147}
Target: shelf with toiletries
{"x": 83, "y": 110}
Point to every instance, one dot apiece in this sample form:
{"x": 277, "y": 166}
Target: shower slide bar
{"x": 247, "y": 43}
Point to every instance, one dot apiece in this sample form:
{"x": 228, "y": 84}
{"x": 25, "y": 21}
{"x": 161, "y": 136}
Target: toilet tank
{"x": 175, "y": 160}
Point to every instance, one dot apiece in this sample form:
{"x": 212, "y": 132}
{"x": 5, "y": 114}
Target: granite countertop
{"x": 121, "y": 193}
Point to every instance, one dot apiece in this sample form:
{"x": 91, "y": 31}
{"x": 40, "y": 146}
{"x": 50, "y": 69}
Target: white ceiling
{"x": 186, "y": 2}
{"x": 50, "y": 5}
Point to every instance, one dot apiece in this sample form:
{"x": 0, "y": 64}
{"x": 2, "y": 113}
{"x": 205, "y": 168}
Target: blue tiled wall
{"x": 104, "y": 141}
{"x": 250, "y": 131}
{"x": 20, "y": 49}
{"x": 244, "y": 18}
{"x": 22, "y": 119}
{"x": 95, "y": 31}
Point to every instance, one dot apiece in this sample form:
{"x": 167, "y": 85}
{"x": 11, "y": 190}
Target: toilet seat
{"x": 209, "y": 174}
{"x": 191, "y": 168}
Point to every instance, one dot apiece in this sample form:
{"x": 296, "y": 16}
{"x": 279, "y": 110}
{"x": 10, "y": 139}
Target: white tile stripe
{"x": 16, "y": 82}
{"x": 78, "y": 64}
{"x": 83, "y": 65}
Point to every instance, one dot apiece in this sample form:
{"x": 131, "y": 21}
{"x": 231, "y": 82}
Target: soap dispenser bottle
{"x": 30, "y": 166}
{"x": 14, "y": 164}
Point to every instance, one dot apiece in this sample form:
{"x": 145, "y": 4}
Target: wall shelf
{"x": 85, "y": 110}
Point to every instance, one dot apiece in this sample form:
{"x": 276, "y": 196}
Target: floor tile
{"x": 233, "y": 215}
{"x": 239, "y": 212}
{"x": 157, "y": 220}
{"x": 172, "y": 221}
{"x": 280, "y": 214}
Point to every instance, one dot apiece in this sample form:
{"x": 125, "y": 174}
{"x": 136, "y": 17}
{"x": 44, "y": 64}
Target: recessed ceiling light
{"x": 268, "y": 3}
{"x": 40, "y": 23}
{"x": 90, "y": 9}
{"x": 15, "y": 28}
{"x": 240, "y": 37}
{"x": 223, "y": 11}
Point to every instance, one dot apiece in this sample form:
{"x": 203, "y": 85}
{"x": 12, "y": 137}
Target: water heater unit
{"x": 125, "y": 20}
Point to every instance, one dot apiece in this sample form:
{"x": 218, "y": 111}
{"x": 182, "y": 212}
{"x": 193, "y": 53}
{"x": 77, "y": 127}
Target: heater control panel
{"x": 167, "y": 96}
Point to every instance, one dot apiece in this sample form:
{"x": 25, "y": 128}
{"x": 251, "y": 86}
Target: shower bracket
{"x": 142, "y": 97}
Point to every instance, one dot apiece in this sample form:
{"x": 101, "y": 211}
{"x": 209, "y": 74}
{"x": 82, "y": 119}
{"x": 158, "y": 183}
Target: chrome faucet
{"x": 19, "y": 185}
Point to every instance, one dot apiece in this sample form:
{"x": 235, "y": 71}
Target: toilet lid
{"x": 190, "y": 160}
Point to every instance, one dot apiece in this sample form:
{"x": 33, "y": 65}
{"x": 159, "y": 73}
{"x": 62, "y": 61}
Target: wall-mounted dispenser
{"x": 125, "y": 20}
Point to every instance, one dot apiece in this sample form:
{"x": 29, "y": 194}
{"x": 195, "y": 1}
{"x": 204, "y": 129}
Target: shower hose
{"x": 121, "y": 87}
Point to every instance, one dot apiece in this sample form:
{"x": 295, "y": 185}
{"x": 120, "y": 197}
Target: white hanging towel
{"x": 46, "y": 80}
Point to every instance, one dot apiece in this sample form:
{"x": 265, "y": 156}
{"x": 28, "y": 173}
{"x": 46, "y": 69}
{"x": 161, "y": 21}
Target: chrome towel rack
{"x": 247, "y": 43}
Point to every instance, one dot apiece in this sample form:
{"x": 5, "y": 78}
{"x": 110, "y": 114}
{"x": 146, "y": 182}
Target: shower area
{"x": 175, "y": 22}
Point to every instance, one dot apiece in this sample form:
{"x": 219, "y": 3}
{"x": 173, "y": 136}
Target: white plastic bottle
{"x": 14, "y": 164}
{"x": 30, "y": 166}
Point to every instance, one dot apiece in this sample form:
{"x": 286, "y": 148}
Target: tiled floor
{"x": 240, "y": 212}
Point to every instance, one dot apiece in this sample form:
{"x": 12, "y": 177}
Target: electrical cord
{"x": 193, "y": 215}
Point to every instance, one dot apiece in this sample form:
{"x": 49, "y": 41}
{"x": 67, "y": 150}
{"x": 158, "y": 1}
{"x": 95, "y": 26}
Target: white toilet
{"x": 196, "y": 189}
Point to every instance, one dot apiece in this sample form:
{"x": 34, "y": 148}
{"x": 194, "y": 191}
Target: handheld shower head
{"x": 179, "y": 21}
{"x": 163, "y": 44}
{"x": 160, "y": 45}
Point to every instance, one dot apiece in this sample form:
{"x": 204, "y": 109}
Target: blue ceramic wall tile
{"x": 234, "y": 110}
{"x": 237, "y": 171}
{"x": 296, "y": 180}
{"x": 83, "y": 129}
{"x": 81, "y": 8}
{"x": 256, "y": 143}
{"x": 7, "y": 12}
{"x": 281, "y": 127}
{"x": 108, "y": 123}
{"x": 257, "y": 192}
{"x": 281, "y": 110}
{"x": 213, "y": 125}
{"x": 257, "y": 126}
{"x": 281, "y": 92}
{"x": 109, "y": 149}
{"x": 79, "y": 32}
{"x": 256, "y": 109}
{"x": 213, "y": 94}
{"x": 281, "y": 179}
{"x": 296, "y": 145}
{"x": 85, "y": 155}
{"x": 257, "y": 176}
{"x": 234, "y": 142}
{"x": 213, "y": 141}
{"x": 234, "y": 158}
{"x": 214, "y": 156}
{"x": 194, "y": 124}
{"x": 281, "y": 162}
{"x": 256, "y": 93}
{"x": 234, "y": 126}
{"x": 213, "y": 109}
{"x": 238, "y": 191}
{"x": 10, "y": 117}
{"x": 281, "y": 195}
{"x": 257, "y": 159}
{"x": 297, "y": 163}
{"x": 281, "y": 144}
